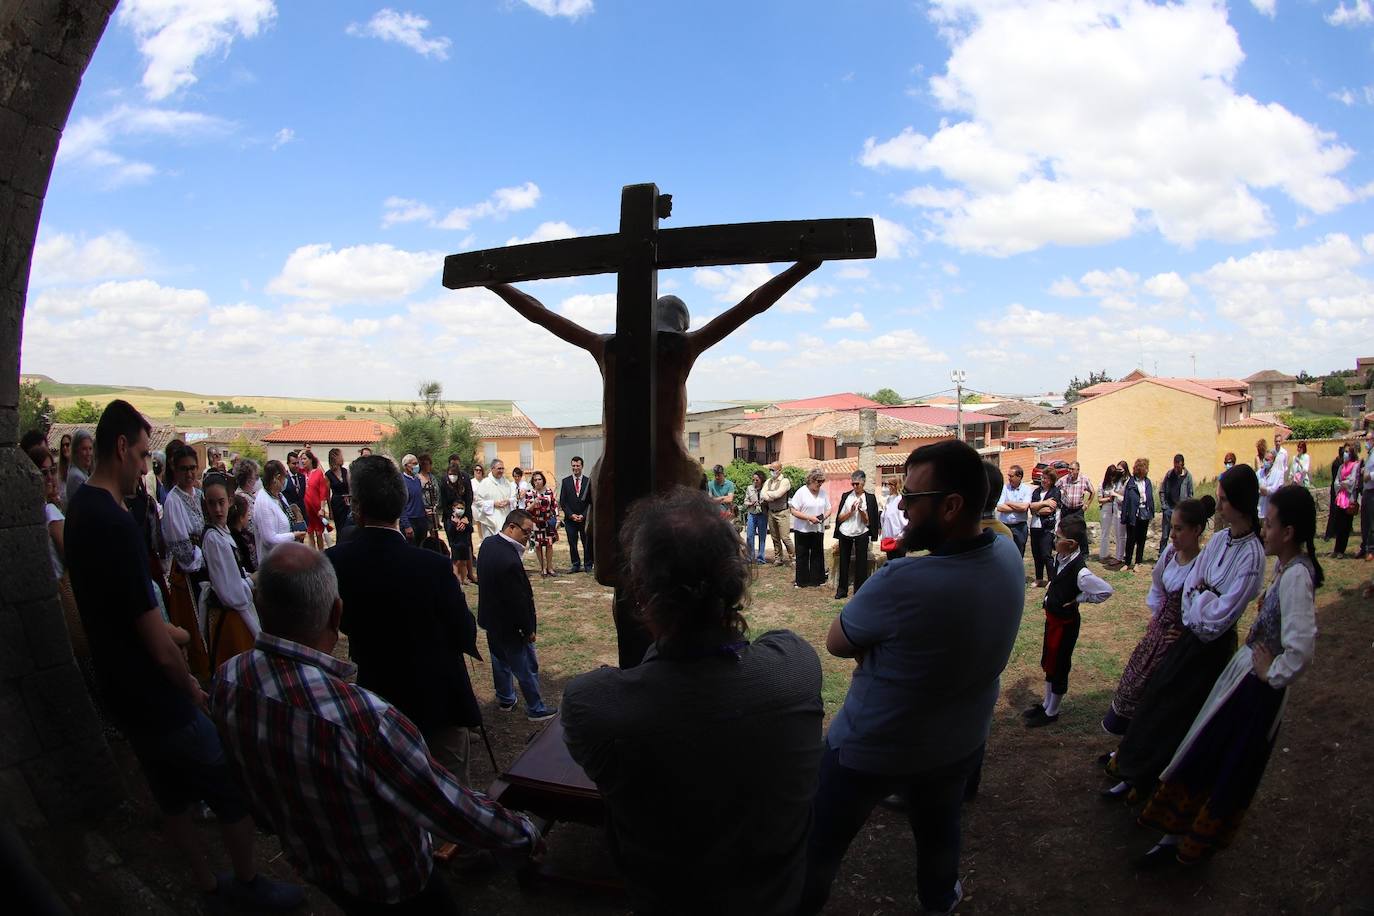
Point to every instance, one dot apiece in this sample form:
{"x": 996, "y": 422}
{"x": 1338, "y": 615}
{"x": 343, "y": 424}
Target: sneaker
{"x": 505, "y": 707}
{"x": 259, "y": 895}
{"x": 548, "y": 712}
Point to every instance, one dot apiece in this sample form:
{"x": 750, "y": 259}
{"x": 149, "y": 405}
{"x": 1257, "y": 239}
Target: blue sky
{"x": 255, "y": 197}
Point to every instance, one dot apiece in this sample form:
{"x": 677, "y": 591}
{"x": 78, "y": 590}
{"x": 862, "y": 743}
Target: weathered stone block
{"x": 85, "y": 24}
{"x": 17, "y": 251}
{"x": 46, "y": 630}
{"x": 76, "y": 781}
{"x": 23, "y": 488}
{"x": 60, "y": 707}
{"x": 33, "y": 166}
{"x": 18, "y": 739}
{"x": 46, "y": 90}
{"x": 15, "y": 659}
{"x": 12, "y": 126}
{"x": 27, "y": 573}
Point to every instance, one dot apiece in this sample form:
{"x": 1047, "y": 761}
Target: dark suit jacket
{"x": 294, "y": 490}
{"x": 408, "y": 627}
{"x": 875, "y": 522}
{"x": 505, "y": 600}
{"x": 571, "y": 503}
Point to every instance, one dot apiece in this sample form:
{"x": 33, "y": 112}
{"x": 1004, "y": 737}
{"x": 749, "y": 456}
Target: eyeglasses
{"x": 528, "y": 531}
{"x": 917, "y": 494}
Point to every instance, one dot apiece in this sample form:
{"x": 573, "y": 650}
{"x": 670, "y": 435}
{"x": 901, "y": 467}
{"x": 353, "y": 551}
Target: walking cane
{"x": 482, "y": 730}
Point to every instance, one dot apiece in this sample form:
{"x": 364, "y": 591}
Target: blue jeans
{"x": 843, "y": 802}
{"x": 756, "y": 526}
{"x": 515, "y": 657}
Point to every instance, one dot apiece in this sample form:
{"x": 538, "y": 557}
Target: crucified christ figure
{"x": 678, "y": 350}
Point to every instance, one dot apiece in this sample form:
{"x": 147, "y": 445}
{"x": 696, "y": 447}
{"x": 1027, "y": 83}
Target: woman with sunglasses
{"x": 810, "y": 505}
{"x": 183, "y": 523}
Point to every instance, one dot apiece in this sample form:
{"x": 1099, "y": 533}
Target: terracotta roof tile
{"x": 348, "y": 432}
{"x": 500, "y": 427}
{"x": 845, "y": 401}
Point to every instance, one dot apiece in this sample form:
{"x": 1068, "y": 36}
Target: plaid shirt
{"x": 343, "y": 777}
{"x": 1073, "y": 494}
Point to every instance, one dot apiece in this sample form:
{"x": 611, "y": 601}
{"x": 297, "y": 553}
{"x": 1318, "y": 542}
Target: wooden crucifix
{"x": 645, "y": 363}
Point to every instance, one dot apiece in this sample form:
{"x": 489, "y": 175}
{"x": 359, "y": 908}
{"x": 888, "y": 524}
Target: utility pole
{"x": 958, "y": 377}
{"x": 1193, "y": 357}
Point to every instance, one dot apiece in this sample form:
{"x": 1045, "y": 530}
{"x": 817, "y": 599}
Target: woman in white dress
{"x": 271, "y": 513}
{"x": 810, "y": 505}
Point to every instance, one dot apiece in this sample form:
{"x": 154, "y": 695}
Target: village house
{"x": 981, "y": 430}
{"x": 1270, "y": 389}
{"x": 322, "y": 435}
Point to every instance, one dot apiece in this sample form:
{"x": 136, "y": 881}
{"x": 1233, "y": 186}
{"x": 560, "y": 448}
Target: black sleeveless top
{"x": 338, "y": 497}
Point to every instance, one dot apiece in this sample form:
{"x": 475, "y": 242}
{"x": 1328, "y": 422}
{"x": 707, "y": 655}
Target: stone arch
{"x": 54, "y": 762}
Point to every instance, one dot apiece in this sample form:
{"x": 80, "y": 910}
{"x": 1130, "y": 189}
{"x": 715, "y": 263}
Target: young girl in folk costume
{"x": 183, "y": 523}
{"x": 1223, "y": 580}
{"x": 241, "y": 530}
{"x": 1209, "y": 784}
{"x": 1071, "y": 583}
{"x": 1165, "y": 601}
{"x": 229, "y": 612}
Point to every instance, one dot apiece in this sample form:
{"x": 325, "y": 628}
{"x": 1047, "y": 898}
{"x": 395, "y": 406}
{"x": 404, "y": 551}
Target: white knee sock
{"x": 1052, "y": 704}
{"x": 1045, "y": 703}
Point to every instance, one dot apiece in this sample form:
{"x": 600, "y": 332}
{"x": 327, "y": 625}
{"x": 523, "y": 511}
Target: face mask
{"x": 1230, "y": 464}
{"x": 774, "y": 474}
{"x": 886, "y": 492}
{"x": 453, "y": 478}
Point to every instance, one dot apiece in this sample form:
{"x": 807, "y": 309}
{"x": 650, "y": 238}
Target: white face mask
{"x": 453, "y": 478}
{"x": 885, "y": 491}
{"x": 774, "y": 473}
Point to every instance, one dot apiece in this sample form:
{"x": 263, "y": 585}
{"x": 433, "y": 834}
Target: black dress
{"x": 452, "y": 496}
{"x": 339, "y": 503}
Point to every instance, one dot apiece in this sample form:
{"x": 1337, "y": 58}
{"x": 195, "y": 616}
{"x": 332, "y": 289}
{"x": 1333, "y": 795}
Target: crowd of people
{"x": 210, "y": 607}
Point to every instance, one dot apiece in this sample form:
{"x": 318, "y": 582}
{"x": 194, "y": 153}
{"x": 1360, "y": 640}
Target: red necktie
{"x": 577, "y": 486}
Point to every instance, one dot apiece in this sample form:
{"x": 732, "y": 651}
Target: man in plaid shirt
{"x": 1075, "y": 491}
{"x": 339, "y": 774}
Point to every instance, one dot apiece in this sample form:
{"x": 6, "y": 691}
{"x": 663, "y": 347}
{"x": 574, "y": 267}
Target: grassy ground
{"x": 1038, "y": 839}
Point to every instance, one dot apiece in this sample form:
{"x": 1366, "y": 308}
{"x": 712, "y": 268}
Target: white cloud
{"x": 593, "y": 312}
{"x": 546, "y": 232}
{"x": 951, "y": 269}
{"x": 1266, "y": 7}
{"x": 88, "y": 142}
{"x": 854, "y": 321}
{"x": 62, "y": 258}
{"x": 1080, "y": 122}
{"x": 405, "y": 29}
{"x": 1169, "y": 286}
{"x": 1276, "y": 287}
{"x": 404, "y": 210}
{"x": 894, "y": 239}
{"x": 173, "y": 35}
{"x": 900, "y": 346}
{"x": 141, "y": 304}
{"x": 282, "y": 137}
{"x": 501, "y": 203}
{"x": 1065, "y": 288}
{"x": 853, "y": 272}
{"x": 362, "y": 273}
{"x": 732, "y": 284}
{"x": 769, "y": 346}
{"x": 568, "y": 9}
{"x": 1359, "y": 13}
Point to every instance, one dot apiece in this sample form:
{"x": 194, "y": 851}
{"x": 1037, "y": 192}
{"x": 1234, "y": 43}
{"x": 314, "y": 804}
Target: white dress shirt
{"x": 808, "y": 504}
{"x": 271, "y": 526}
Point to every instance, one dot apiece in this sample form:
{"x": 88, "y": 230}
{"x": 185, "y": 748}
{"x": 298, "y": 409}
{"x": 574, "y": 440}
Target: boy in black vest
{"x": 1071, "y": 583}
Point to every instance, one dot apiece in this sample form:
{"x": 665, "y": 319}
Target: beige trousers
{"x": 780, "y": 529}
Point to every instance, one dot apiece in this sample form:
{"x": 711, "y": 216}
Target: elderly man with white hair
{"x": 339, "y": 774}
{"x": 495, "y": 497}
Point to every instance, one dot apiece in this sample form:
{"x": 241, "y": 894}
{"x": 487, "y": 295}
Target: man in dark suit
{"x": 294, "y": 488}
{"x": 505, "y": 609}
{"x": 575, "y": 496}
{"x": 407, "y": 622}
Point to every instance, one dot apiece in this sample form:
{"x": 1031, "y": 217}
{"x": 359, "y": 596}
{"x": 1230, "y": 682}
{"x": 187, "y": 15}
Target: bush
{"x": 741, "y": 472}
{"x": 1315, "y": 427}
{"x": 83, "y": 411}
{"x": 416, "y": 435}
{"x": 35, "y": 410}
{"x": 246, "y": 449}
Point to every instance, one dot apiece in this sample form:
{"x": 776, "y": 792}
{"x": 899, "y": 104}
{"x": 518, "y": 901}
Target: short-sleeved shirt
{"x": 1017, "y": 494}
{"x": 936, "y": 632}
{"x": 726, "y": 488}
{"x": 108, "y": 564}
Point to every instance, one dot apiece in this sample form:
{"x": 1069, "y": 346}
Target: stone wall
{"x": 54, "y": 762}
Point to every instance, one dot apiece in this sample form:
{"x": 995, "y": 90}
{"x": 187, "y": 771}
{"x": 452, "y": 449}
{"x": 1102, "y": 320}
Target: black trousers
{"x": 1019, "y": 535}
{"x": 859, "y": 548}
{"x": 577, "y": 531}
{"x": 1367, "y": 524}
{"x": 1341, "y": 523}
{"x": 1136, "y": 533}
{"x": 434, "y": 900}
{"x": 810, "y": 562}
{"x": 1042, "y": 549}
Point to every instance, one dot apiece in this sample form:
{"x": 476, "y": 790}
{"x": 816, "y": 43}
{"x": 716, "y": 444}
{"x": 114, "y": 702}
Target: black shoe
{"x": 1041, "y": 720}
{"x": 576, "y": 569}
{"x": 1119, "y": 792}
{"x": 505, "y": 708}
{"x": 1037, "y": 709}
{"x": 1159, "y": 857}
{"x": 547, "y": 713}
{"x": 840, "y": 596}
{"x": 1104, "y": 759}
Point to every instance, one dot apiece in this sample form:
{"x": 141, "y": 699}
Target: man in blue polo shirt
{"x": 1012, "y": 506}
{"x": 931, "y": 636}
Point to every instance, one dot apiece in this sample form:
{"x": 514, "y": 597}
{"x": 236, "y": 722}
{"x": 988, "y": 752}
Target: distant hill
{"x": 201, "y": 409}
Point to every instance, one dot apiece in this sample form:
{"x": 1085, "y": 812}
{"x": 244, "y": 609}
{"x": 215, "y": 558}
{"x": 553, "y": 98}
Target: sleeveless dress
{"x": 542, "y": 507}
{"x": 340, "y": 508}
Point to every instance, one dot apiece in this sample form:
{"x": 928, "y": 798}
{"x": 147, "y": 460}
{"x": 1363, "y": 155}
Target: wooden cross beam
{"x": 636, "y": 253}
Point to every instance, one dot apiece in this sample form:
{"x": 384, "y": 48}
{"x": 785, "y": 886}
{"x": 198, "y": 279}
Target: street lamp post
{"x": 958, "y": 377}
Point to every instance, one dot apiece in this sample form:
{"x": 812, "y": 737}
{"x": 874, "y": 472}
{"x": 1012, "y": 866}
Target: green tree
{"x": 1333, "y": 386}
{"x": 462, "y": 441}
{"x": 1314, "y": 427}
{"x": 349, "y": 408}
{"x": 971, "y": 398}
{"x": 83, "y": 411}
{"x": 888, "y": 396}
{"x": 740, "y": 473}
{"x": 35, "y": 410}
{"x": 422, "y": 426}
{"x": 178, "y": 407}
{"x": 1071, "y": 393}
{"x": 245, "y": 448}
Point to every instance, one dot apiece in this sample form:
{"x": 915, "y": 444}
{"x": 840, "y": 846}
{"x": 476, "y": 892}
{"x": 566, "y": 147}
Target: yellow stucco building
{"x": 1156, "y": 418}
